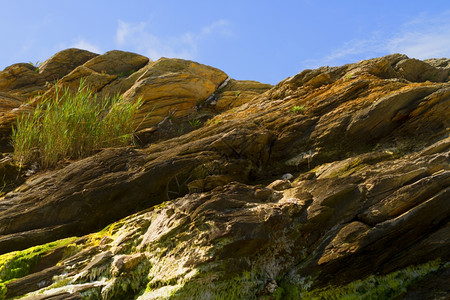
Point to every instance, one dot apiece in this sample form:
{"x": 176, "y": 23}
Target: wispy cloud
{"x": 220, "y": 26}
{"x": 139, "y": 37}
{"x": 83, "y": 44}
{"x": 422, "y": 37}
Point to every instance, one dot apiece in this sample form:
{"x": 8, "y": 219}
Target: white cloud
{"x": 422, "y": 37}
{"x": 221, "y": 26}
{"x": 138, "y": 37}
{"x": 83, "y": 44}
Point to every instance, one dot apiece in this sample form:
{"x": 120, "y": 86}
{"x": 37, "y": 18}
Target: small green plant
{"x": 195, "y": 123}
{"x": 36, "y": 65}
{"x": 214, "y": 122}
{"x": 298, "y": 108}
{"x": 181, "y": 129}
{"x": 237, "y": 93}
{"x": 73, "y": 125}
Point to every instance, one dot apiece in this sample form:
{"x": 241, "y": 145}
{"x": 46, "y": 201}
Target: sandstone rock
{"x": 172, "y": 88}
{"x": 64, "y": 62}
{"x": 238, "y": 223}
{"x": 438, "y": 62}
{"x": 382, "y": 115}
{"x": 32, "y": 282}
{"x": 405, "y": 198}
{"x": 380, "y": 67}
{"x": 279, "y": 185}
{"x": 419, "y": 71}
{"x": 117, "y": 62}
{"x": 9, "y": 102}
{"x": 92, "y": 79}
{"x": 18, "y": 76}
{"x": 236, "y": 93}
{"x": 124, "y": 82}
{"x": 345, "y": 242}
{"x": 371, "y": 194}
{"x": 126, "y": 263}
{"x": 208, "y": 183}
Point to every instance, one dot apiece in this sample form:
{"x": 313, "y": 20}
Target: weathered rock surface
{"x": 64, "y": 62}
{"x": 172, "y": 88}
{"x": 208, "y": 213}
{"x": 234, "y": 93}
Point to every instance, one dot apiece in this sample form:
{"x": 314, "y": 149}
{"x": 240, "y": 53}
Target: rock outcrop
{"x": 210, "y": 211}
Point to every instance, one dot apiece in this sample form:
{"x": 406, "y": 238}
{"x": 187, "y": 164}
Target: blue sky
{"x": 265, "y": 41}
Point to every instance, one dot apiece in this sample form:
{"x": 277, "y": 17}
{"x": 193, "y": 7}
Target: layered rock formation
{"x": 236, "y": 190}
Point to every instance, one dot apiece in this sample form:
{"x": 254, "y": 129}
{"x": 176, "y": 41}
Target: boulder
{"x": 418, "y": 71}
{"x": 236, "y": 93}
{"x": 18, "y": 76}
{"x": 92, "y": 79}
{"x": 438, "y": 62}
{"x": 120, "y": 63}
{"x": 64, "y": 62}
{"x": 172, "y": 88}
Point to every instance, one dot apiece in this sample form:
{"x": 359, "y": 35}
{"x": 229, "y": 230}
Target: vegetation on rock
{"x": 72, "y": 126}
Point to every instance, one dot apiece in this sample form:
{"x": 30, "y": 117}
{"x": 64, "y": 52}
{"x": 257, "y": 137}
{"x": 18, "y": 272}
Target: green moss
{"x": 2, "y": 291}
{"x": 126, "y": 74}
{"x": 92, "y": 294}
{"x": 18, "y": 264}
{"x": 357, "y": 164}
{"x": 127, "y": 285}
{"x": 207, "y": 285}
{"x": 354, "y": 166}
{"x": 373, "y": 287}
{"x": 60, "y": 283}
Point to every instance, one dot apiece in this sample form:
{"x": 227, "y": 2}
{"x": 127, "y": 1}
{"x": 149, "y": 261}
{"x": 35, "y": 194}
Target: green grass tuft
{"x": 72, "y": 126}
{"x": 195, "y": 123}
{"x": 298, "y": 108}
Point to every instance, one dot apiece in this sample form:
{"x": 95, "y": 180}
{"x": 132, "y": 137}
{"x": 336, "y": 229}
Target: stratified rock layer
{"x": 212, "y": 213}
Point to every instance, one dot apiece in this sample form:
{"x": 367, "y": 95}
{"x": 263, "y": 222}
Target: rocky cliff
{"x": 333, "y": 183}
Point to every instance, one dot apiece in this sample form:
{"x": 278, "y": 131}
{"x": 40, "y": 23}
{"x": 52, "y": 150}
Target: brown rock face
{"x": 237, "y": 92}
{"x": 209, "y": 212}
{"x": 173, "y": 88}
{"x": 64, "y": 62}
{"x": 18, "y": 76}
{"x": 117, "y": 63}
